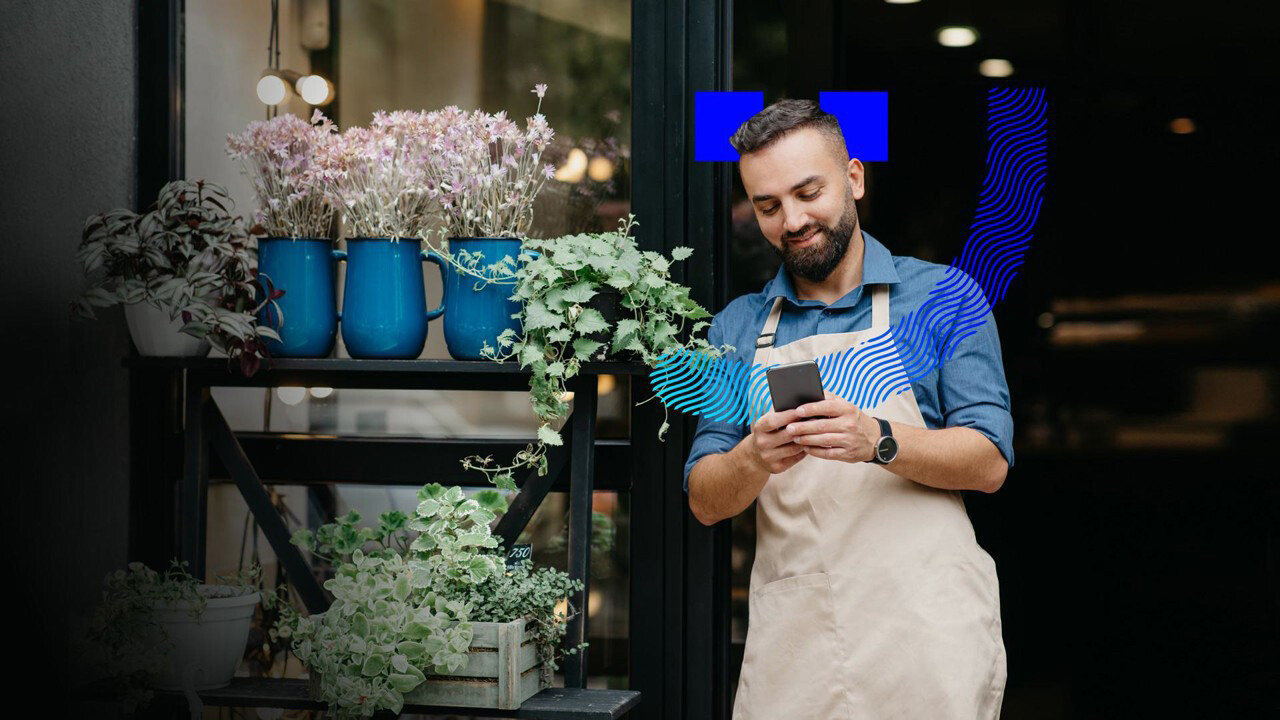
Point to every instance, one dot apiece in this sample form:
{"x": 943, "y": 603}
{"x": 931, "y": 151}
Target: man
{"x": 870, "y": 597}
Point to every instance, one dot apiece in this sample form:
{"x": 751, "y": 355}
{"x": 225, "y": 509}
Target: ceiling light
{"x": 995, "y": 67}
{"x": 957, "y": 36}
{"x": 1182, "y": 126}
{"x": 902, "y": 2}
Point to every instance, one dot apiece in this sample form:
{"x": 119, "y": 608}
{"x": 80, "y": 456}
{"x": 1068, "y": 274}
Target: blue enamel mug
{"x": 384, "y": 303}
{"x": 306, "y": 316}
{"x": 477, "y": 312}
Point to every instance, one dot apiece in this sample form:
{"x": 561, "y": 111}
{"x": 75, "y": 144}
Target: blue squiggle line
{"x": 730, "y": 390}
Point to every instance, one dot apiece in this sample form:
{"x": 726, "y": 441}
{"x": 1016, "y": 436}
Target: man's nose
{"x": 794, "y": 220}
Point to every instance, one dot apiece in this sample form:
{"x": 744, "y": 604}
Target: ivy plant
{"x": 563, "y": 286}
{"x": 406, "y": 593}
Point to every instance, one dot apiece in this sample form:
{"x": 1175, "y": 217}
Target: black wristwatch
{"x": 886, "y": 448}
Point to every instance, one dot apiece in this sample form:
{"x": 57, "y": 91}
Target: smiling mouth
{"x": 805, "y": 239}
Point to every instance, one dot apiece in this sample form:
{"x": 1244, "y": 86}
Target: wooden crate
{"x": 502, "y": 671}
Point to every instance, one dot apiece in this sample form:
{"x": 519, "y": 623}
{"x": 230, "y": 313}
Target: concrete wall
{"x": 67, "y": 149}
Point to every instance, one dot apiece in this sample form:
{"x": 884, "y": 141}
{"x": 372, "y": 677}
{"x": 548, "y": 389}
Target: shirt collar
{"x": 877, "y": 268}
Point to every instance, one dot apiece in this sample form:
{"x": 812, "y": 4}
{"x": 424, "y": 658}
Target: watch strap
{"x": 885, "y": 431}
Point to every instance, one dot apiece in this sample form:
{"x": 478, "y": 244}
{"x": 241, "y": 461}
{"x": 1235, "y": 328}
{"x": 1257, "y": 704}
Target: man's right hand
{"x": 723, "y": 485}
{"x": 769, "y": 447}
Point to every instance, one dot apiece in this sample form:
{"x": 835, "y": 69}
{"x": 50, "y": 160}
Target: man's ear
{"x": 857, "y": 177}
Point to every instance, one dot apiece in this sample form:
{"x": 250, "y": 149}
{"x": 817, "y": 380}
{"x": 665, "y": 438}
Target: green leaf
{"x": 584, "y": 348}
{"x": 401, "y": 589}
{"x": 411, "y": 649}
{"x": 536, "y": 315}
{"x": 580, "y": 292}
{"x": 626, "y": 327}
{"x": 406, "y": 681}
{"x": 374, "y": 665}
{"x": 590, "y": 321}
{"x": 549, "y": 436}
{"x": 491, "y": 500}
{"x": 681, "y": 253}
{"x": 531, "y": 354}
{"x": 559, "y": 336}
{"x": 555, "y": 369}
{"x": 504, "y": 481}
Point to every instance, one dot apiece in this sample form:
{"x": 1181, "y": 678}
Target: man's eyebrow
{"x": 797, "y": 186}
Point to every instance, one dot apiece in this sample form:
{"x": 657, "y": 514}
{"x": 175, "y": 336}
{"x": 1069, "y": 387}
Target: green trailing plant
{"x": 124, "y": 639}
{"x": 406, "y": 593}
{"x": 566, "y": 285}
{"x": 189, "y": 256}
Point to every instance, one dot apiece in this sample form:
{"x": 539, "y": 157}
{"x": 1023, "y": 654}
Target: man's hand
{"x": 846, "y": 433}
{"x": 769, "y": 447}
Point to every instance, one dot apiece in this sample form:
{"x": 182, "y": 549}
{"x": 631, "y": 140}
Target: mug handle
{"x": 433, "y": 257}
{"x": 340, "y": 256}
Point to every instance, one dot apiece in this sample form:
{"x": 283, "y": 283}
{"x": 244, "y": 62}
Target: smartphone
{"x": 794, "y": 384}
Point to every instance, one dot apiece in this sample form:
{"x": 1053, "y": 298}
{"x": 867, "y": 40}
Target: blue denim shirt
{"x": 968, "y": 390}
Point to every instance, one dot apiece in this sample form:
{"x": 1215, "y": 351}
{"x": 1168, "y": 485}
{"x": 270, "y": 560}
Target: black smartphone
{"x": 794, "y": 384}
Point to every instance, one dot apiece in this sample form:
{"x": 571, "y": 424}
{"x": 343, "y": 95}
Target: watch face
{"x": 887, "y": 449}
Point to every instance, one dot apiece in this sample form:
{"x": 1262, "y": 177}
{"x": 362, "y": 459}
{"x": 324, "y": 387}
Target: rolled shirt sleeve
{"x": 713, "y": 437}
{"x": 972, "y": 389}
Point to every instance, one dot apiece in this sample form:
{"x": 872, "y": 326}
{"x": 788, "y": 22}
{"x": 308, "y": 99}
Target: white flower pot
{"x": 156, "y": 335}
{"x": 209, "y": 646}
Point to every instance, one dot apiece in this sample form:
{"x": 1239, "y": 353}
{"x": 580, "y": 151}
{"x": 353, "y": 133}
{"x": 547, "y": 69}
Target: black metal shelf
{"x": 369, "y": 374}
{"x": 254, "y": 460}
{"x": 292, "y": 694}
{"x": 310, "y": 459}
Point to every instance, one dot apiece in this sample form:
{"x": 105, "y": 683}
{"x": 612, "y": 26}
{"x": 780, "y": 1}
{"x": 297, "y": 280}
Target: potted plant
{"x": 426, "y": 612}
{"x": 297, "y": 254}
{"x": 587, "y": 297}
{"x": 187, "y": 264}
{"x": 376, "y": 177}
{"x": 163, "y": 631}
{"x": 485, "y": 172}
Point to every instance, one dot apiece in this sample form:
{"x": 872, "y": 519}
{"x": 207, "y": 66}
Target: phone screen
{"x": 794, "y": 385}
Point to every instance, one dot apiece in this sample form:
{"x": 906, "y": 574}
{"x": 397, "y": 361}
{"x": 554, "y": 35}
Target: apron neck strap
{"x": 766, "y": 340}
{"x": 880, "y": 306}
{"x": 764, "y": 343}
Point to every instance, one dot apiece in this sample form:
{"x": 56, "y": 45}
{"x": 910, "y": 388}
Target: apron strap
{"x": 764, "y": 343}
{"x": 880, "y": 307}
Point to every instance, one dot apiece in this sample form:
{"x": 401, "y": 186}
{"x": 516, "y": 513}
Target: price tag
{"x": 518, "y": 553}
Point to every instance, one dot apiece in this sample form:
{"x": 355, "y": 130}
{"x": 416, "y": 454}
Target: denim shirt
{"x": 968, "y": 390}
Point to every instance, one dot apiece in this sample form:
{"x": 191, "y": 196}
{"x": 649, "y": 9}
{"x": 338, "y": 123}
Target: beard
{"x": 815, "y": 263}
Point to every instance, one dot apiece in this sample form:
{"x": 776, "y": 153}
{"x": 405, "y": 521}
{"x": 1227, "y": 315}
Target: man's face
{"x": 803, "y": 198}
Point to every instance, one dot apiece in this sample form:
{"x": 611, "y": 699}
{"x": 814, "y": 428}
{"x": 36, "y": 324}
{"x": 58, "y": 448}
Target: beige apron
{"x": 870, "y": 597}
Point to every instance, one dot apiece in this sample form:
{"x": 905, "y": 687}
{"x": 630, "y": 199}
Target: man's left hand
{"x": 843, "y": 433}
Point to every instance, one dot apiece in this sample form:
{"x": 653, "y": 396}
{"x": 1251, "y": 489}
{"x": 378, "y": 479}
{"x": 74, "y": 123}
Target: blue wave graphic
{"x": 729, "y": 390}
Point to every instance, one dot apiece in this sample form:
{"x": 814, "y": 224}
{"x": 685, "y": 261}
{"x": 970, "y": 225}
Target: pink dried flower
{"x": 278, "y": 156}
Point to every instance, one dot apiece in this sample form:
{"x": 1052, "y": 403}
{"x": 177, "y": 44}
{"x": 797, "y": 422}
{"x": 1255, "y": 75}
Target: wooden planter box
{"x": 502, "y": 671}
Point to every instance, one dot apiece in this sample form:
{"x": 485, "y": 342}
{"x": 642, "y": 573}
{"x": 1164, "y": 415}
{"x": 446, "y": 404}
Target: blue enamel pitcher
{"x": 475, "y": 311}
{"x": 384, "y": 304}
{"x": 306, "y": 316}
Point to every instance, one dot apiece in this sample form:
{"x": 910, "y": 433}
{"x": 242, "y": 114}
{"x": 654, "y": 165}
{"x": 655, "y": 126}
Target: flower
{"x": 485, "y": 170}
{"x": 540, "y": 89}
{"x": 278, "y": 156}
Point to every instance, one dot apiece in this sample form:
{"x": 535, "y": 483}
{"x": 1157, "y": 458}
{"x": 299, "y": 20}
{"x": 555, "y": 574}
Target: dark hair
{"x": 783, "y": 117}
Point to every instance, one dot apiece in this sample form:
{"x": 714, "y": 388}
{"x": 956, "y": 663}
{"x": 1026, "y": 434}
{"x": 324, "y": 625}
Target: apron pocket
{"x": 791, "y": 666}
